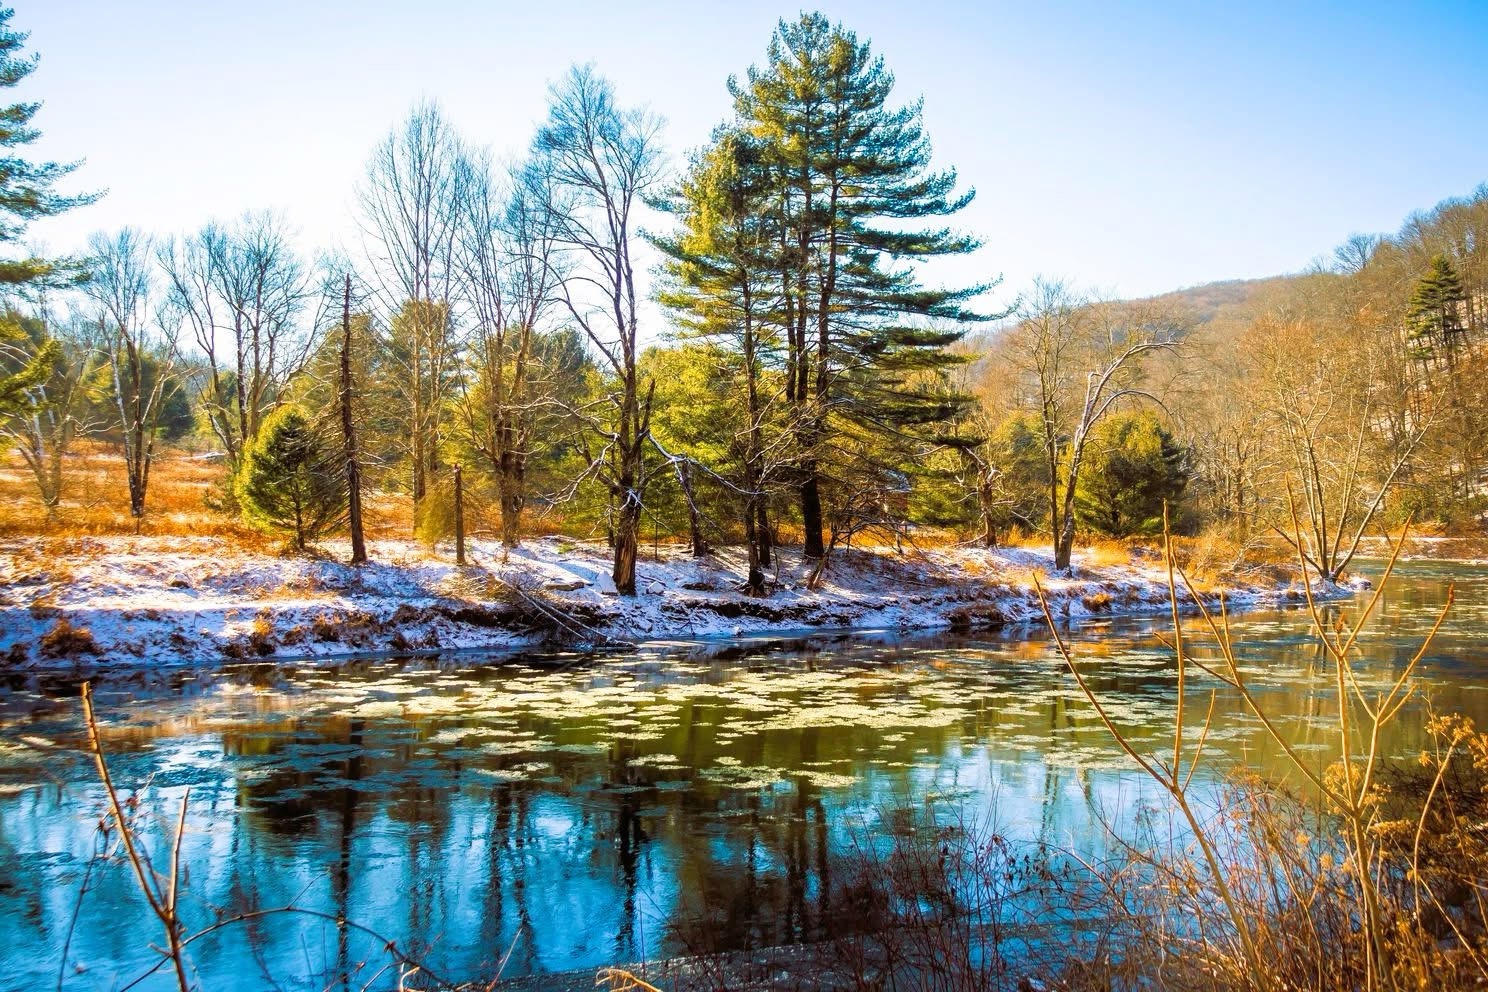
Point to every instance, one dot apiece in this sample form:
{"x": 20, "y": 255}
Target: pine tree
{"x": 292, "y": 479}
{"x": 26, "y": 194}
{"x": 847, "y": 171}
{"x": 25, "y": 365}
{"x": 1135, "y": 467}
{"x": 722, "y": 285}
{"x": 1433, "y": 316}
{"x": 27, "y": 189}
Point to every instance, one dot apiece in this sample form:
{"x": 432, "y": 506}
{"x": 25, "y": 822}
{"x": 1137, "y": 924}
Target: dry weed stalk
{"x": 620, "y": 980}
{"x": 160, "y": 894}
{"x": 1286, "y": 911}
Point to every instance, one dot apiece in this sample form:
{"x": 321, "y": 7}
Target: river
{"x": 565, "y": 813}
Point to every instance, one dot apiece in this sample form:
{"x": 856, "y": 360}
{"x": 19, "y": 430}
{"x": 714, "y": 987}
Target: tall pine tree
{"x": 846, "y": 171}
{"x": 1433, "y": 317}
{"x": 27, "y": 193}
{"x": 722, "y": 283}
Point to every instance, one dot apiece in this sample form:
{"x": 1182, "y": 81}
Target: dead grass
{"x": 183, "y": 487}
{"x": 67, "y": 641}
{"x": 1109, "y": 553}
{"x": 96, "y": 498}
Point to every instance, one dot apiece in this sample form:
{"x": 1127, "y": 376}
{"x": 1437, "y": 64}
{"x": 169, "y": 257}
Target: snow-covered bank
{"x": 110, "y": 602}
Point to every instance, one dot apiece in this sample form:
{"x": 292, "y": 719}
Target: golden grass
{"x": 1107, "y": 553}
{"x": 95, "y": 498}
{"x": 183, "y": 487}
{"x": 95, "y": 502}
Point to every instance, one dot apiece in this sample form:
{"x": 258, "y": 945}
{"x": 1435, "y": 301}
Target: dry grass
{"x": 95, "y": 500}
{"x": 1108, "y": 553}
{"x": 65, "y": 640}
{"x": 183, "y": 490}
{"x": 1333, "y": 891}
{"x": 184, "y": 486}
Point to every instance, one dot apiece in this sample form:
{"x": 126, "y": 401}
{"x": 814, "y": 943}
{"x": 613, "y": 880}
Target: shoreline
{"x": 120, "y": 603}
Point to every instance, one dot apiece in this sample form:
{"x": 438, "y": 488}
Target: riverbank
{"x": 110, "y": 602}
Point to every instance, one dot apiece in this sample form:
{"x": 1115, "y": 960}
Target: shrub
{"x": 66, "y": 641}
{"x": 1133, "y": 468}
{"x": 291, "y": 480}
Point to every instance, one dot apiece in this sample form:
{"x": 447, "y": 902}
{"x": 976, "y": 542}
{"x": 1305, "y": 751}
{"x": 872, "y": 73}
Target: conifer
{"x": 292, "y": 480}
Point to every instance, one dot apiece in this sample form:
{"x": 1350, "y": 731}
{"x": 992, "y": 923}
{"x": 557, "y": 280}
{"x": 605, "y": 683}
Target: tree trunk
{"x": 627, "y": 539}
{"x": 694, "y": 521}
{"x": 459, "y": 518}
{"x": 754, "y": 584}
{"x": 1064, "y": 542}
{"x": 1064, "y": 546}
{"x": 348, "y": 438}
{"x": 811, "y": 514}
{"x": 418, "y": 482}
{"x": 765, "y": 534}
{"x": 510, "y": 484}
{"x": 510, "y": 470}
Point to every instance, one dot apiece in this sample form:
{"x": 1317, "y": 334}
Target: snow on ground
{"x": 109, "y": 602}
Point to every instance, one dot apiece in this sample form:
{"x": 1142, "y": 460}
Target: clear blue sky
{"x": 1132, "y": 148}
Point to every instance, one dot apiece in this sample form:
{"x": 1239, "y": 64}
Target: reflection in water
{"x": 635, "y": 807}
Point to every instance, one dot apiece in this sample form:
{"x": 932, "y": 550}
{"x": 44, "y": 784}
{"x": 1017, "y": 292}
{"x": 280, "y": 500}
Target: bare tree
{"x": 1319, "y": 386}
{"x": 1042, "y": 347}
{"x": 410, "y": 214}
{"x": 600, "y": 162}
{"x": 507, "y": 257}
{"x": 1355, "y": 253}
{"x": 189, "y": 267}
{"x": 1125, "y": 333}
{"x": 1061, "y": 339}
{"x": 52, "y": 416}
{"x": 140, "y": 342}
{"x": 348, "y": 434}
{"x": 241, "y": 290}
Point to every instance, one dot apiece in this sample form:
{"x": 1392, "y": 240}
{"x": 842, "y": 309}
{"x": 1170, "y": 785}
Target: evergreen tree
{"x": 27, "y": 189}
{"x": 25, "y": 365}
{"x": 1016, "y": 450}
{"x": 292, "y": 479}
{"x": 846, "y": 172}
{"x": 1433, "y": 316}
{"x": 26, "y": 194}
{"x": 721, "y": 273}
{"x": 1133, "y": 469}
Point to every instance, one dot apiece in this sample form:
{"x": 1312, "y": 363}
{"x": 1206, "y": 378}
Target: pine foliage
{"x": 27, "y": 189}
{"x": 292, "y": 481}
{"x": 1134, "y": 468}
{"x": 1433, "y": 316}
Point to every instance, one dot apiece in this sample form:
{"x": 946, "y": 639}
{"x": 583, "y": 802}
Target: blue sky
{"x": 1130, "y": 148}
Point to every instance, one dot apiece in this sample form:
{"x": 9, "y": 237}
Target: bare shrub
{"x": 67, "y": 641}
{"x": 1347, "y": 885}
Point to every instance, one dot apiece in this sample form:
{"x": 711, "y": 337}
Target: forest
{"x": 745, "y": 351}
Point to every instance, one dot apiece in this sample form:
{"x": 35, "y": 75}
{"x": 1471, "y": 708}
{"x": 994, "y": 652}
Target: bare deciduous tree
{"x": 600, "y": 162}
{"x": 140, "y": 342}
{"x": 348, "y": 433}
{"x": 241, "y": 289}
{"x": 1319, "y": 385}
{"x": 1061, "y": 339}
{"x": 508, "y": 263}
{"x": 410, "y": 213}
{"x": 44, "y": 427}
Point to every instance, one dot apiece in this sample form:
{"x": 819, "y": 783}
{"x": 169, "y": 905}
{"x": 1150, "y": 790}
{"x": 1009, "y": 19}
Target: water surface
{"x": 681, "y": 799}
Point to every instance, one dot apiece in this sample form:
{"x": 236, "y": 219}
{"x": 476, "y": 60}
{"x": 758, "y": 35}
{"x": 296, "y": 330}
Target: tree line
{"x": 804, "y": 380}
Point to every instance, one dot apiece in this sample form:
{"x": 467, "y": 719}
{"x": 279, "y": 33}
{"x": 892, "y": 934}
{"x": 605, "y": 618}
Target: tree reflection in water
{"x": 642, "y": 807}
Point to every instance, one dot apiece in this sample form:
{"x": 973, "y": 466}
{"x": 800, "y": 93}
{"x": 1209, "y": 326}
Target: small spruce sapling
{"x": 291, "y": 480}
